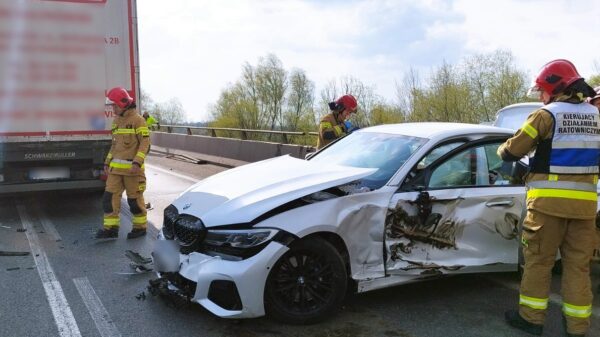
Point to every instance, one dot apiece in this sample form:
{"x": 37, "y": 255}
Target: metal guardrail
{"x": 243, "y": 132}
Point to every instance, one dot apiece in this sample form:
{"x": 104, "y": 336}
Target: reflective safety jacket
{"x": 151, "y": 122}
{"x": 329, "y": 130}
{"x": 564, "y": 171}
{"x": 130, "y": 143}
{"x": 574, "y": 147}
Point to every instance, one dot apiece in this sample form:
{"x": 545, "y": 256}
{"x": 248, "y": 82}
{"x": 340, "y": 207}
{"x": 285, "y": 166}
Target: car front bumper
{"x": 226, "y": 288}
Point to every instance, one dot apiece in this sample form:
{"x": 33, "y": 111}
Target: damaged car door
{"x": 456, "y": 213}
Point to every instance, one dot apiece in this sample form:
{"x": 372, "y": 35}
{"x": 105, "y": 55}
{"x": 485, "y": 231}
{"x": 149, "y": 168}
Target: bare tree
{"x": 300, "y": 100}
{"x": 364, "y": 94}
{"x": 408, "y": 91}
{"x": 272, "y": 85}
{"x": 170, "y": 112}
{"x": 145, "y": 103}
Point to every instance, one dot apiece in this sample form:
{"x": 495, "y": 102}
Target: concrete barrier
{"x": 245, "y": 150}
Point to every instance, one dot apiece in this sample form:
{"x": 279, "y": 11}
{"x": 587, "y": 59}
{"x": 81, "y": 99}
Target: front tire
{"x": 307, "y": 284}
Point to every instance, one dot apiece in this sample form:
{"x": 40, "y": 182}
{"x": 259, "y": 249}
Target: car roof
{"x": 531, "y": 105}
{"x": 437, "y": 129}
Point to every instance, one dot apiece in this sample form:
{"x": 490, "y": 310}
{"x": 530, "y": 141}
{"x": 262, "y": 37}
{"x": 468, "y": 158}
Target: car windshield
{"x": 386, "y": 152}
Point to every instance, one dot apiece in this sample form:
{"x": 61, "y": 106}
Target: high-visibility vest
{"x": 575, "y": 145}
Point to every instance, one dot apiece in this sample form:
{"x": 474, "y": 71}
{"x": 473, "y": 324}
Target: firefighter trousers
{"x": 134, "y": 186}
{"x": 544, "y": 235}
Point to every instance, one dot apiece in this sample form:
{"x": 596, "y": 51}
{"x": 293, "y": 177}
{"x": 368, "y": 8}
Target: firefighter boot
{"x": 136, "y": 233}
{"x": 107, "y": 233}
{"x": 514, "y": 319}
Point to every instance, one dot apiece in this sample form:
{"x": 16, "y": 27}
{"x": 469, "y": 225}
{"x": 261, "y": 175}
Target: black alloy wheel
{"x": 307, "y": 284}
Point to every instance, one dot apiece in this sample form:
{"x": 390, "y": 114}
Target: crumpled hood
{"x": 242, "y": 194}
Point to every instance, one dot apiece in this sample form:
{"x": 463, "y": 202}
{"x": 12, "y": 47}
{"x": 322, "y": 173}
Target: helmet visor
{"x": 535, "y": 92}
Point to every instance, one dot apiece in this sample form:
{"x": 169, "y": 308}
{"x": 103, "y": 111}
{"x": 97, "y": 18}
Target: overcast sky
{"x": 192, "y": 49}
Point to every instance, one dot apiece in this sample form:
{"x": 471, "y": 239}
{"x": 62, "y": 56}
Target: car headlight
{"x": 169, "y": 217}
{"x": 241, "y": 239}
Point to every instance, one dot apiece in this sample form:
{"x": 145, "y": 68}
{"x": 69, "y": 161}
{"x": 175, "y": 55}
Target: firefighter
{"x": 561, "y": 197}
{"x": 334, "y": 124}
{"x": 124, "y": 166}
{"x": 151, "y": 122}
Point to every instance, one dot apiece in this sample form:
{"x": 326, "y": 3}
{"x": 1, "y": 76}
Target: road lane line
{"x": 63, "y": 316}
{"x": 47, "y": 224}
{"x": 182, "y": 176}
{"x": 101, "y": 318}
{"x": 554, "y": 298}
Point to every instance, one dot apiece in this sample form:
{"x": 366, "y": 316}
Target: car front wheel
{"x": 307, "y": 284}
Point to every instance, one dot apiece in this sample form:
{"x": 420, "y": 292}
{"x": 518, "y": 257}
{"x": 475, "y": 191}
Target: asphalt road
{"x": 70, "y": 284}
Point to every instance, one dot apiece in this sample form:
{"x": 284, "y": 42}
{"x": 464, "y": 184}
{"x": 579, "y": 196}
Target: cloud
{"x": 194, "y": 49}
{"x": 535, "y": 31}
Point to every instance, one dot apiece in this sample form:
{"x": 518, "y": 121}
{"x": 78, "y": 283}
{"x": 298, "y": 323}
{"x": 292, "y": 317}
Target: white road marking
{"x": 554, "y": 298}
{"x": 182, "y": 176}
{"x": 47, "y": 224}
{"x": 63, "y": 316}
{"x": 101, "y": 318}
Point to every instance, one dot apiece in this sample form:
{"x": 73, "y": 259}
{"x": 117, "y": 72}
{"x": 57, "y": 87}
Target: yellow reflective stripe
{"x": 558, "y": 193}
{"x": 143, "y": 130}
{"x": 534, "y": 303}
{"x": 529, "y": 130}
{"x": 120, "y": 165}
{"x": 553, "y": 177}
{"x": 338, "y": 131}
{"x": 142, "y": 187}
{"x": 579, "y": 311}
{"x": 123, "y": 131}
{"x": 524, "y": 241}
{"x": 325, "y": 125}
{"x": 110, "y": 222}
{"x": 139, "y": 219}
{"x": 141, "y": 155}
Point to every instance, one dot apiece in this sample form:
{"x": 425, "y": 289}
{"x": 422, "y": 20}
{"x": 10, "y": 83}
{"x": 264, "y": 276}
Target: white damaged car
{"x": 383, "y": 206}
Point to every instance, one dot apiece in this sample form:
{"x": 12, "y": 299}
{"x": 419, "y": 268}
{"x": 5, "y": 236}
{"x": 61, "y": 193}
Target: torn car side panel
{"x": 453, "y": 230}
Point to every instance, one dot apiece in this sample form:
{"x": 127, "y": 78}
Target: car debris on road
{"x": 9, "y": 253}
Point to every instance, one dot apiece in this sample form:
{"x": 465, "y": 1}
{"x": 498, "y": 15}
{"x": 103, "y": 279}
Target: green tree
{"x": 266, "y": 97}
{"x": 594, "y": 80}
{"x": 471, "y": 91}
{"x": 386, "y": 114}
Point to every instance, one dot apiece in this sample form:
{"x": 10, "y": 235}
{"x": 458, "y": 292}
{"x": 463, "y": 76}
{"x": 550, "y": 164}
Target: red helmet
{"x": 120, "y": 97}
{"x": 554, "y": 78}
{"x": 347, "y": 102}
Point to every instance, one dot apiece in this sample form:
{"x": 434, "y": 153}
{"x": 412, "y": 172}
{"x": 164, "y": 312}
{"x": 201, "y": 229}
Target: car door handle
{"x": 504, "y": 203}
{"x": 446, "y": 199}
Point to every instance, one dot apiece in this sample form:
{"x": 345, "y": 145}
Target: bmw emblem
{"x": 186, "y": 206}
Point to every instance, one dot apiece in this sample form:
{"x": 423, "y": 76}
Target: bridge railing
{"x": 285, "y": 136}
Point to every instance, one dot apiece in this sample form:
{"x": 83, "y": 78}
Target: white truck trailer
{"x": 57, "y": 60}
